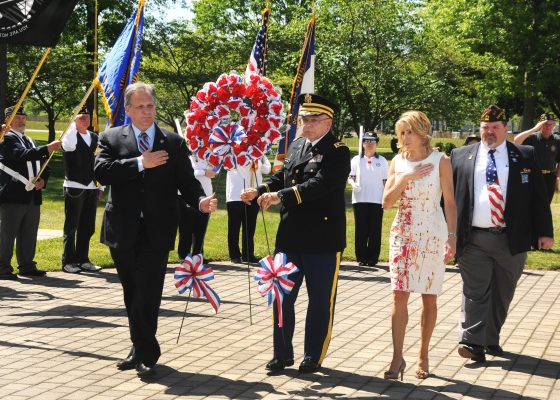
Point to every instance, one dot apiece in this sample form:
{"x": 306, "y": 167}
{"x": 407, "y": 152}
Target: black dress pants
{"x": 238, "y": 213}
{"x": 368, "y": 219}
{"x": 192, "y": 229}
{"x": 142, "y": 273}
{"x": 80, "y": 207}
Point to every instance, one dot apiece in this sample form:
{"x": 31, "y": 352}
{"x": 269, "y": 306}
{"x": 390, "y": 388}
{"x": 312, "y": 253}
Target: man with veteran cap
{"x": 499, "y": 193}
{"x": 81, "y": 194}
{"x": 547, "y": 148}
{"x": 20, "y": 196}
{"x": 312, "y": 232}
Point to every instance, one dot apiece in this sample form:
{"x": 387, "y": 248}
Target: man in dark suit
{"x": 500, "y": 194}
{"x": 145, "y": 166}
{"x": 312, "y": 231}
{"x": 21, "y": 196}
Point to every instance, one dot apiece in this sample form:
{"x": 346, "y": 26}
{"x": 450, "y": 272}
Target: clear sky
{"x": 177, "y": 11}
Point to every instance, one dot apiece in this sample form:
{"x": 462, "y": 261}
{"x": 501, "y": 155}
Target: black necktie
{"x": 306, "y": 148}
{"x": 27, "y": 142}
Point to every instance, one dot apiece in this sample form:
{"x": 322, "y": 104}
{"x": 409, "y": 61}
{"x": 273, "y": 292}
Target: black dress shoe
{"x": 144, "y": 371}
{"x": 308, "y": 365}
{"x": 35, "y": 272}
{"x": 276, "y": 364}
{"x": 8, "y": 277}
{"x": 236, "y": 260}
{"x": 129, "y": 362}
{"x": 472, "y": 351}
{"x": 495, "y": 350}
{"x": 252, "y": 259}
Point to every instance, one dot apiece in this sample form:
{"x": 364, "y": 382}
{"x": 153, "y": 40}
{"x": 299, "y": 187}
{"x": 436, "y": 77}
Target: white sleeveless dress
{"x": 419, "y": 232}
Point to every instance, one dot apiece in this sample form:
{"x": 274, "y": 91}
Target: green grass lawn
{"x": 52, "y": 217}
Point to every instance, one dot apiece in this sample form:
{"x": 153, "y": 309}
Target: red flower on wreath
{"x": 253, "y": 109}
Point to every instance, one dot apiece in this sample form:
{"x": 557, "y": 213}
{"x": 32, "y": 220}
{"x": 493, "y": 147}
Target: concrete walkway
{"x": 60, "y": 337}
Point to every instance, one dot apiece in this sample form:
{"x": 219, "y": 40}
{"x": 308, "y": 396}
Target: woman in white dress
{"x": 368, "y": 175}
{"x": 422, "y": 240}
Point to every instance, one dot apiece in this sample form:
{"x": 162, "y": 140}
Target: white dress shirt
{"x": 200, "y": 167}
{"x": 369, "y": 174}
{"x": 243, "y": 178}
{"x": 481, "y": 211}
{"x": 69, "y": 143}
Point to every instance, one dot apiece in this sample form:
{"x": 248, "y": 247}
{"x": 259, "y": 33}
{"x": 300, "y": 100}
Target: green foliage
{"x": 448, "y": 148}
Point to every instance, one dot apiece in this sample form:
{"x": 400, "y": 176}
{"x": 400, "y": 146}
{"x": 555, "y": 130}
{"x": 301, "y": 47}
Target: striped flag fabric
{"x": 259, "y": 57}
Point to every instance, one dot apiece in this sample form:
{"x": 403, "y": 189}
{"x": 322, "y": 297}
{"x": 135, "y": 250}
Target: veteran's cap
{"x": 547, "y": 116}
{"x": 313, "y": 104}
{"x": 370, "y": 137}
{"x": 84, "y": 110}
{"x": 9, "y": 110}
{"x": 493, "y": 114}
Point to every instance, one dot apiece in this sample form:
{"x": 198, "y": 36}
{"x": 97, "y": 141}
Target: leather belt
{"x": 494, "y": 230}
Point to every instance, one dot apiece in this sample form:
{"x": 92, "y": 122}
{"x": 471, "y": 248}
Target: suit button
{"x": 310, "y": 170}
{"x": 326, "y": 218}
{"x": 297, "y": 171}
{"x": 293, "y": 181}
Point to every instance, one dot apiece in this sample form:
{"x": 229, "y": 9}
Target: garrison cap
{"x": 313, "y": 104}
{"x": 493, "y": 114}
{"x": 9, "y": 110}
{"x": 548, "y": 116}
{"x": 84, "y": 110}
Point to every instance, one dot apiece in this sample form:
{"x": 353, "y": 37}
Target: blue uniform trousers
{"x": 321, "y": 277}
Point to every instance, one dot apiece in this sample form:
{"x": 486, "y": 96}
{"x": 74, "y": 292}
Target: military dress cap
{"x": 493, "y": 114}
{"x": 370, "y": 137}
{"x": 548, "y": 116}
{"x": 313, "y": 104}
{"x": 471, "y": 139}
{"x": 84, "y": 110}
{"x": 9, "y": 110}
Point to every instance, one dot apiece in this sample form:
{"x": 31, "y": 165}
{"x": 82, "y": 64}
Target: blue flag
{"x": 121, "y": 67}
{"x": 304, "y": 82}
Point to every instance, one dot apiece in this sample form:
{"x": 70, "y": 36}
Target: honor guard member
{"x": 547, "y": 148}
{"x": 312, "y": 230}
{"x": 20, "y": 196}
{"x": 81, "y": 194}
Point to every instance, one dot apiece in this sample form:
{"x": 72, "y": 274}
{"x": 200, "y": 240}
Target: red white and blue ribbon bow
{"x": 222, "y": 139}
{"x": 273, "y": 280}
{"x": 192, "y": 274}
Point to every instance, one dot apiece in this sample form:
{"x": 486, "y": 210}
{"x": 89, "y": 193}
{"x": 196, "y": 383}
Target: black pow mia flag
{"x": 34, "y": 22}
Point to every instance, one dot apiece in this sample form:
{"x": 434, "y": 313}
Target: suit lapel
{"x": 470, "y": 166}
{"x": 160, "y": 140}
{"x": 130, "y": 140}
{"x": 514, "y": 159}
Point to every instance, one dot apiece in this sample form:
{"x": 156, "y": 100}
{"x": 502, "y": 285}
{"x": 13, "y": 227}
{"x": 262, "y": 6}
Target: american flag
{"x": 494, "y": 192}
{"x": 259, "y": 56}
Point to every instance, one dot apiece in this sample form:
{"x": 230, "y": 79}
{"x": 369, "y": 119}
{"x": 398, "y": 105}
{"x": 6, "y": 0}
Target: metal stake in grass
{"x": 184, "y": 314}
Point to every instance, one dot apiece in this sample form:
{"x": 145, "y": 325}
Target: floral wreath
{"x": 232, "y": 123}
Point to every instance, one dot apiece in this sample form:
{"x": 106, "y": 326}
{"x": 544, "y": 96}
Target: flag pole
{"x": 95, "y": 122}
{"x": 74, "y": 115}
{"x": 25, "y": 91}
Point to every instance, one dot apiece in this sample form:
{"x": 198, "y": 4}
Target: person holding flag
{"x": 312, "y": 231}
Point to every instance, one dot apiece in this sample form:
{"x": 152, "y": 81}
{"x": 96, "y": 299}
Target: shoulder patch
{"x": 339, "y": 144}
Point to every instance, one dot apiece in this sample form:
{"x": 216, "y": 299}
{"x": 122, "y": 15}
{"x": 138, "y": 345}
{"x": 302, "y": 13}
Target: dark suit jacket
{"x": 15, "y": 156}
{"x": 313, "y": 212}
{"x": 151, "y": 193}
{"x": 526, "y": 202}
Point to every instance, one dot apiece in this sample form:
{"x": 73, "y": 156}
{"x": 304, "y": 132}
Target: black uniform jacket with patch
{"x": 311, "y": 186}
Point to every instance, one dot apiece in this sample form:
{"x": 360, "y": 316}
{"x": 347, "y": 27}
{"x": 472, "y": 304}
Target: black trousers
{"x": 80, "y": 207}
{"x": 238, "y": 213}
{"x": 192, "y": 229}
{"x": 141, "y": 271}
{"x": 550, "y": 181}
{"x": 368, "y": 219}
{"x": 321, "y": 279}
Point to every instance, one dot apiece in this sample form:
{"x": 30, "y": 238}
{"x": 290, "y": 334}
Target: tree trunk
{"x": 90, "y": 49}
{"x": 51, "y": 122}
{"x": 529, "y": 101}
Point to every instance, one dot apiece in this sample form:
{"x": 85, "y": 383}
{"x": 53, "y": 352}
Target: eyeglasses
{"x": 311, "y": 120}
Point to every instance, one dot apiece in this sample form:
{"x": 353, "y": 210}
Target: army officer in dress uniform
{"x": 312, "y": 229}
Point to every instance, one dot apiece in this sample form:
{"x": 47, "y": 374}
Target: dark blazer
{"x": 313, "y": 211}
{"x": 151, "y": 193}
{"x": 15, "y": 156}
{"x": 78, "y": 164}
{"x": 526, "y": 202}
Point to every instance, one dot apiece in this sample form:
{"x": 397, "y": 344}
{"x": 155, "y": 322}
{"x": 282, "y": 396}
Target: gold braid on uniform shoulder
{"x": 339, "y": 144}
{"x": 296, "y": 193}
{"x": 266, "y": 187}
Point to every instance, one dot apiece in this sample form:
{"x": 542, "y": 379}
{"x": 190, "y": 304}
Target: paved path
{"x": 61, "y": 336}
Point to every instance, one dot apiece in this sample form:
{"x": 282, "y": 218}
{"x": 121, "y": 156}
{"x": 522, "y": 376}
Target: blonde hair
{"x": 419, "y": 124}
